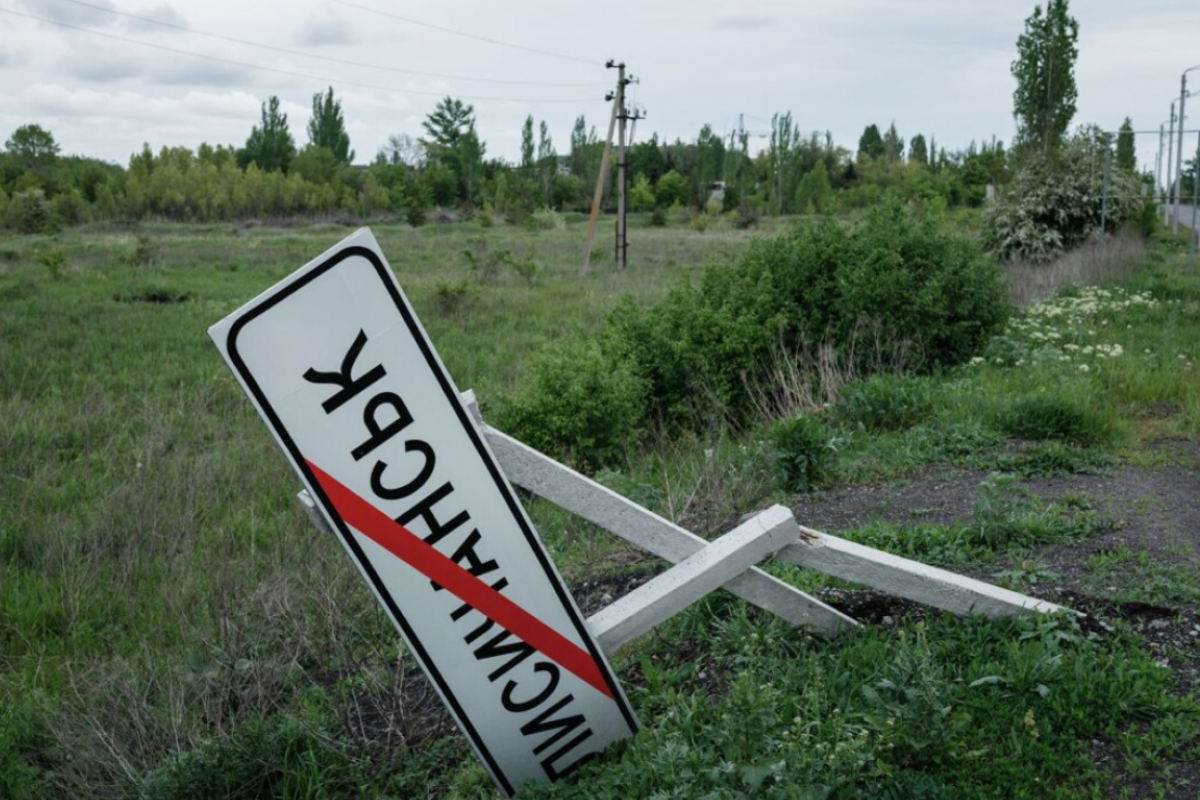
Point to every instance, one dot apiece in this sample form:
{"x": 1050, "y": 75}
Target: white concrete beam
{"x": 693, "y": 578}
{"x": 598, "y": 504}
{"x": 909, "y": 579}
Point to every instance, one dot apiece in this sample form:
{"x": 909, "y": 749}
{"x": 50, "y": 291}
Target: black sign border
{"x": 352, "y": 544}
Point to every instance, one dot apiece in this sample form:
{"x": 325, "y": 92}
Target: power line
{"x": 261, "y": 68}
{"x": 303, "y": 54}
{"x": 453, "y": 32}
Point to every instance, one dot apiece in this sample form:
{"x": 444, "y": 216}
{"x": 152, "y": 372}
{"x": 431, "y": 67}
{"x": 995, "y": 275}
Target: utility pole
{"x": 1104, "y": 202}
{"x": 601, "y": 179}
{"x": 1183, "y": 94}
{"x": 1170, "y": 155}
{"x": 623, "y": 116}
{"x": 1158, "y": 161}
{"x": 1179, "y": 154}
{"x": 622, "y": 166}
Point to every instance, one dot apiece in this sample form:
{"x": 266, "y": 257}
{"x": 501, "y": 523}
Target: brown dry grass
{"x": 1099, "y": 260}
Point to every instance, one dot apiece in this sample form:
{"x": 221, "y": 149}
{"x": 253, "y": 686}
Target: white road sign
{"x": 337, "y": 364}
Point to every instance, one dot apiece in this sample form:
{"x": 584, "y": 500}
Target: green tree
{"x": 33, "y": 146}
{"x": 1126, "y": 152}
{"x": 270, "y": 146}
{"x": 918, "y": 152}
{"x": 327, "y": 128}
{"x": 871, "y": 142}
{"x": 448, "y": 123}
{"x": 1044, "y": 100}
{"x": 893, "y": 145}
{"x": 527, "y": 143}
{"x": 710, "y": 163}
{"x": 641, "y": 194}
{"x": 316, "y": 164}
{"x": 547, "y": 162}
{"x": 454, "y": 143}
{"x": 671, "y": 189}
{"x": 814, "y": 194}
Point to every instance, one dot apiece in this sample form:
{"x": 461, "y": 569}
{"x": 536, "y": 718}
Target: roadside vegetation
{"x": 172, "y": 626}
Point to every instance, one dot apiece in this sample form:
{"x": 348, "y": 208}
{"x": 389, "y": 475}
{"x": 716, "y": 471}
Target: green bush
{"x": 885, "y": 403}
{"x": 30, "y": 212}
{"x": 53, "y": 259}
{"x": 902, "y": 273}
{"x": 803, "y": 453}
{"x": 577, "y": 404}
{"x": 1145, "y": 219}
{"x": 1055, "y": 202}
{"x": 1047, "y": 416}
{"x": 414, "y": 212}
{"x": 658, "y": 217}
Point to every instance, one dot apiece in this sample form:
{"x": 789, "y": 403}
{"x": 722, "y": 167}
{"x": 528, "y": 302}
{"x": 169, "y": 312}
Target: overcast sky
{"x": 940, "y": 67}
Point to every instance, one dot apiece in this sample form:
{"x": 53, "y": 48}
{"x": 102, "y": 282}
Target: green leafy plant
{"x": 803, "y": 452}
{"x": 53, "y": 259}
{"x": 145, "y": 252}
{"x": 578, "y": 404}
{"x": 452, "y": 296}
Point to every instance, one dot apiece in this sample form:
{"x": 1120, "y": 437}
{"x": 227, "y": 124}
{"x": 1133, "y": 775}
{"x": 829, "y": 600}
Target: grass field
{"x": 172, "y": 626}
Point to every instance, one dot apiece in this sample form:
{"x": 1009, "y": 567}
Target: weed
{"x": 452, "y": 296}
{"x": 53, "y": 259}
{"x": 803, "y": 450}
{"x": 145, "y": 253}
{"x": 1050, "y": 459}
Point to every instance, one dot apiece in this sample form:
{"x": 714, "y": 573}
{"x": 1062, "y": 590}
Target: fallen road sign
{"x": 339, "y": 367}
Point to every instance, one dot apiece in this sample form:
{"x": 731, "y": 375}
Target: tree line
{"x": 447, "y": 166}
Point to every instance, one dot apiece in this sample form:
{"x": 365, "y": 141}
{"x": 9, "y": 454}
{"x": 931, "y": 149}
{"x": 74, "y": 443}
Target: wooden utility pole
{"x": 621, "y": 115}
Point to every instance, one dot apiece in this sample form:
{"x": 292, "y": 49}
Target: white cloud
{"x": 324, "y": 29}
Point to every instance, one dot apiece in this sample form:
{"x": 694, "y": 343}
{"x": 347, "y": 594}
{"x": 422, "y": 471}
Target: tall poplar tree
{"x": 1126, "y": 152}
{"x": 1044, "y": 100}
{"x": 327, "y": 128}
{"x": 270, "y": 145}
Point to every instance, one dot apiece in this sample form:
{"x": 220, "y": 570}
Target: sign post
{"x": 339, "y": 367}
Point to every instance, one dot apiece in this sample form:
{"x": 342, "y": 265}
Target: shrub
{"x": 546, "y": 219}
{"x": 53, "y": 259}
{"x": 658, "y": 217}
{"x": 1144, "y": 219}
{"x": 30, "y": 212}
{"x": 802, "y": 450}
{"x": 526, "y": 267}
{"x": 452, "y": 297}
{"x": 704, "y": 346}
{"x": 414, "y": 212}
{"x": 69, "y": 207}
{"x": 1046, "y": 416}
{"x": 885, "y": 403}
{"x": 700, "y": 223}
{"x": 577, "y": 403}
{"x": 145, "y": 252}
{"x": 1055, "y": 202}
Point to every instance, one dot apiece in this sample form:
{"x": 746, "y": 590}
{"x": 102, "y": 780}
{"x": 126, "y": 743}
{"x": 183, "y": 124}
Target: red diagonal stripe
{"x": 411, "y": 549}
